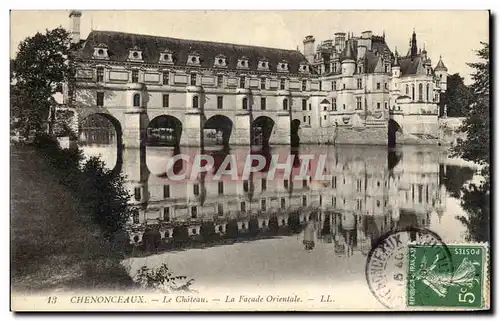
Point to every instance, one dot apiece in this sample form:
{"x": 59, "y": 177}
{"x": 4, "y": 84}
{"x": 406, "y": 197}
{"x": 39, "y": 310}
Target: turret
{"x": 413, "y": 45}
{"x": 309, "y": 48}
{"x": 442, "y": 73}
{"x": 396, "y": 68}
{"x": 348, "y": 62}
{"x": 74, "y": 16}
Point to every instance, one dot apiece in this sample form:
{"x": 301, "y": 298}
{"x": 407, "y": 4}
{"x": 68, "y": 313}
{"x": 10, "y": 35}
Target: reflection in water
{"x": 371, "y": 191}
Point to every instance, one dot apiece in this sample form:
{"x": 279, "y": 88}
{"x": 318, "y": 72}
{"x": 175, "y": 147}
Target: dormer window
{"x": 220, "y": 61}
{"x": 166, "y": 57}
{"x": 101, "y": 52}
{"x": 193, "y": 59}
{"x": 283, "y": 66}
{"x": 304, "y": 68}
{"x": 135, "y": 54}
{"x": 263, "y": 64}
{"x": 243, "y": 63}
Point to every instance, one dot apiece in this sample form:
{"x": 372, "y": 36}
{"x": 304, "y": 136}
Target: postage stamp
{"x": 431, "y": 284}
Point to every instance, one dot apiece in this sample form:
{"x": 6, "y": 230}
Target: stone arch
{"x": 262, "y": 128}
{"x": 294, "y": 132}
{"x": 164, "y": 130}
{"x": 97, "y": 134}
{"x": 392, "y": 129}
{"x": 223, "y": 127}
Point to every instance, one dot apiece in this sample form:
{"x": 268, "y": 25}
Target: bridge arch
{"x": 217, "y": 130}
{"x": 164, "y": 130}
{"x": 102, "y": 128}
{"x": 392, "y": 129}
{"x": 262, "y": 128}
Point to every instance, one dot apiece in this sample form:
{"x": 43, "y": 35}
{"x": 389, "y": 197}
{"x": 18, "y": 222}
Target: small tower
{"x": 442, "y": 73}
{"x": 396, "y": 68}
{"x": 348, "y": 63}
{"x": 413, "y": 45}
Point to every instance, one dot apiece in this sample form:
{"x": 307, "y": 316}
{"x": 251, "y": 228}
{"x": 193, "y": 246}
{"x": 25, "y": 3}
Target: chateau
{"x": 161, "y": 90}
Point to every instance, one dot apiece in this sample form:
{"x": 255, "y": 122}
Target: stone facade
{"x": 189, "y": 90}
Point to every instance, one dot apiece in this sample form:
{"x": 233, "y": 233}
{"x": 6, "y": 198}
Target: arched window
{"x": 195, "y": 102}
{"x": 137, "y": 100}
{"x": 407, "y": 90}
{"x": 427, "y": 92}
{"x": 412, "y": 92}
{"x": 245, "y": 103}
{"x": 285, "y": 104}
{"x": 420, "y": 92}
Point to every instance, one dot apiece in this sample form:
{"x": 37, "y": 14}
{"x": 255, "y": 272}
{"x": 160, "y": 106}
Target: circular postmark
{"x": 389, "y": 269}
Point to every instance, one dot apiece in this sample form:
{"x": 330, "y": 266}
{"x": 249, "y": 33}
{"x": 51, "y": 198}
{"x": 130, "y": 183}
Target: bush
{"x": 162, "y": 279}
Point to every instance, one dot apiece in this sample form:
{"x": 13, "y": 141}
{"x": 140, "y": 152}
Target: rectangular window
{"x": 283, "y": 203}
{"x": 334, "y": 182}
{"x": 166, "y": 77}
{"x": 194, "y": 212}
{"x": 358, "y": 185}
{"x": 100, "y": 74}
{"x": 320, "y": 85}
{"x": 324, "y": 116}
{"x": 285, "y": 184}
{"x": 310, "y": 107}
{"x": 304, "y": 104}
{"x": 385, "y": 105}
{"x": 334, "y": 202}
{"x": 309, "y": 119}
{"x": 378, "y": 105}
{"x": 334, "y": 67}
{"x": 305, "y": 119}
{"x": 304, "y": 183}
{"x": 243, "y": 207}
{"x": 359, "y": 205}
{"x": 378, "y": 85}
{"x": 100, "y": 99}
{"x": 304, "y": 85}
{"x": 135, "y": 75}
{"x": 282, "y": 84}
{"x": 242, "y": 82}
{"x": 220, "y": 101}
{"x": 263, "y": 83}
{"x": 193, "y": 80}
{"x": 386, "y": 86}
{"x": 325, "y": 108}
{"x": 221, "y": 188}
{"x": 136, "y": 217}
{"x": 165, "y": 100}
{"x": 420, "y": 192}
{"x": 264, "y": 184}
{"x": 358, "y": 103}
{"x": 304, "y": 200}
{"x": 196, "y": 189}
{"x": 220, "y": 209}
{"x": 263, "y": 204}
{"x": 220, "y": 80}
{"x": 334, "y": 85}
{"x": 360, "y": 83}
{"x": 166, "y": 214}
{"x": 166, "y": 191}
{"x": 334, "y": 104}
{"x": 263, "y": 103}
{"x": 343, "y": 86}
{"x": 245, "y": 186}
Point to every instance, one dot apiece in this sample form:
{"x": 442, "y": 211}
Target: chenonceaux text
{"x": 116, "y": 299}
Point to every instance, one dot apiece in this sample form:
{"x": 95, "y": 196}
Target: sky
{"x": 453, "y": 34}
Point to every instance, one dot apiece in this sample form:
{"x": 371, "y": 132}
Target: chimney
{"x": 361, "y": 51}
{"x": 74, "y": 16}
{"x": 309, "y": 48}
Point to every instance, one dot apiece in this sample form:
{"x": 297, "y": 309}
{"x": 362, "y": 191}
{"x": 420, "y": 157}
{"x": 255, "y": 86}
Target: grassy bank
{"x": 54, "y": 243}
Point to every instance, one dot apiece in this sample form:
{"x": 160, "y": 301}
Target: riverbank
{"x": 54, "y": 244}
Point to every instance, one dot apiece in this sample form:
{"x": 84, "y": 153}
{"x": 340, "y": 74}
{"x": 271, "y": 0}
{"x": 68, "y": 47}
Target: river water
{"x": 280, "y": 233}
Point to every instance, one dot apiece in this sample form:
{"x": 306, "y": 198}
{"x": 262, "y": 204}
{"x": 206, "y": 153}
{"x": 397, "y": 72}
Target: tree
{"x": 458, "y": 96}
{"x": 38, "y": 71}
{"x": 476, "y": 146}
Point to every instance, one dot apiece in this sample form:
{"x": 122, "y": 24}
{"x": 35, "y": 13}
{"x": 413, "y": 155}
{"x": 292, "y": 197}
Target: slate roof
{"x": 440, "y": 65}
{"x": 409, "y": 65}
{"x": 119, "y": 44}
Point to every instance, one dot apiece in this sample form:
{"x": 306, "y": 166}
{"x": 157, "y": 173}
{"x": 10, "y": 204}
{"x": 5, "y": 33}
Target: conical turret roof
{"x": 440, "y": 65}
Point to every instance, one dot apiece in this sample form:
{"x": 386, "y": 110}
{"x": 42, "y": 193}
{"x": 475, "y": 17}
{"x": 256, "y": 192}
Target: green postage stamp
{"x": 451, "y": 277}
